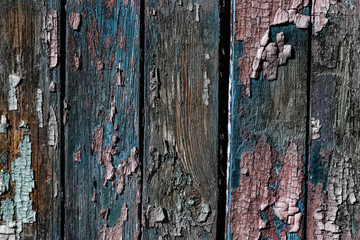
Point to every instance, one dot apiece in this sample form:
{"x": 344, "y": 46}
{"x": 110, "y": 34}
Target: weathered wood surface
{"x": 269, "y": 118}
{"x": 29, "y": 156}
{"x": 334, "y": 170}
{"x": 101, "y": 117}
{"x": 181, "y": 120}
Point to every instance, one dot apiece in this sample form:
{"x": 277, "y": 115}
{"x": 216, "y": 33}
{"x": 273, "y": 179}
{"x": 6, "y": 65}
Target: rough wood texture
{"x": 333, "y": 193}
{"x": 101, "y": 117}
{"x": 266, "y": 176}
{"x": 30, "y": 198}
{"x": 181, "y": 121}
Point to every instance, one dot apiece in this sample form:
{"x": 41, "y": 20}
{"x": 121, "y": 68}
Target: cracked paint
{"x": 115, "y": 232}
{"x": 39, "y": 102}
{"x": 125, "y": 169}
{"x": 253, "y": 21}
{"x": 4, "y": 182}
{"x": 23, "y": 177}
{"x": 52, "y": 32}
{"x": 14, "y": 81}
{"x": 255, "y": 197}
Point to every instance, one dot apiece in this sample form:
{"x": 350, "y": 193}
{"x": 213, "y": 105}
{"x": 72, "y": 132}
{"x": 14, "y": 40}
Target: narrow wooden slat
{"x": 30, "y": 199}
{"x": 333, "y": 210}
{"x": 268, "y": 119}
{"x": 101, "y": 116}
{"x": 181, "y": 120}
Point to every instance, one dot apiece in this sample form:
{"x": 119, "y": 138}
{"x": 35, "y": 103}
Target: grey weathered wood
{"x": 333, "y": 206}
{"x": 180, "y": 173}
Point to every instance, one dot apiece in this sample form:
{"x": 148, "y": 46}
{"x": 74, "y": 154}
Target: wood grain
{"x": 267, "y": 162}
{"x": 333, "y": 207}
{"x": 101, "y": 117}
{"x": 181, "y": 120}
{"x": 24, "y": 53}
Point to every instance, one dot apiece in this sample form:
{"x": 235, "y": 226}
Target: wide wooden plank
{"x": 101, "y": 117}
{"x": 180, "y": 173}
{"x": 268, "y": 119}
{"x": 334, "y": 170}
{"x": 29, "y": 129}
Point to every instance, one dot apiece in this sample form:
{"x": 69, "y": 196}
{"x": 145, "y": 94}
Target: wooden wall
{"x": 179, "y": 119}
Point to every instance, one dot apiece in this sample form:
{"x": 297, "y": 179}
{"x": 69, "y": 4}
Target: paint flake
{"x": 315, "y": 128}
{"x": 52, "y": 128}
{"x": 4, "y": 125}
{"x": 39, "y": 102}
{"x": 4, "y": 182}
{"x": 115, "y": 232}
{"x": 154, "y": 88}
{"x": 125, "y": 169}
{"x": 253, "y": 20}
{"x": 205, "y": 96}
{"x": 77, "y": 155}
{"x": 14, "y": 81}
{"x": 97, "y": 144}
{"x": 52, "y": 32}
{"x": 74, "y": 20}
{"x": 52, "y": 86}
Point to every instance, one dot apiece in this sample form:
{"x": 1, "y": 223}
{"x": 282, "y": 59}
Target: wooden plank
{"x": 30, "y": 197}
{"x": 333, "y": 209}
{"x": 180, "y": 173}
{"x": 268, "y": 119}
{"x": 101, "y": 117}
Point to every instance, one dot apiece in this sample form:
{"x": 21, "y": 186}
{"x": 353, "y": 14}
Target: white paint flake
{"x": 205, "y": 96}
{"x": 52, "y": 128}
{"x": 39, "y": 102}
{"x": 13, "y": 83}
{"x": 4, "y": 124}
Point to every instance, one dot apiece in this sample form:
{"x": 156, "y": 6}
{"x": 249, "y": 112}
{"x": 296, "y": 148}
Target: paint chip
{"x": 14, "y": 81}
{"x": 52, "y": 128}
{"x": 74, "y": 20}
{"x": 4, "y": 125}
{"x": 205, "y": 96}
{"x": 52, "y": 86}
{"x": 39, "y": 102}
{"x": 315, "y": 128}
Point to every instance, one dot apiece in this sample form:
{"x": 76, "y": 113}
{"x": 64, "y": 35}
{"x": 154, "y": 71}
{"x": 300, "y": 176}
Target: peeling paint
{"x": 7, "y": 233}
{"x": 74, "y": 20}
{"x": 319, "y": 13}
{"x": 52, "y": 128}
{"x": 7, "y": 212}
{"x": 14, "y": 81}
{"x": 115, "y": 232}
{"x": 109, "y": 167}
{"x": 52, "y": 86}
{"x": 52, "y": 32}
{"x": 197, "y": 12}
{"x": 39, "y": 102}
{"x": 4, "y": 182}
{"x": 205, "y": 96}
{"x": 255, "y": 197}
{"x": 154, "y": 88}
{"x": 23, "y": 177}
{"x": 253, "y": 21}
{"x": 315, "y": 128}
{"x": 97, "y": 144}
{"x": 3, "y": 125}
{"x": 125, "y": 169}
{"x": 155, "y": 215}
{"x": 77, "y": 155}
{"x": 77, "y": 59}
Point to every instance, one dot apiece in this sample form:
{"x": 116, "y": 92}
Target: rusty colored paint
{"x": 74, "y": 20}
{"x": 52, "y": 37}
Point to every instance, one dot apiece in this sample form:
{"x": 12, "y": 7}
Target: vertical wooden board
{"x": 101, "y": 117}
{"x": 29, "y": 160}
{"x": 181, "y": 121}
{"x": 268, "y": 120}
{"x": 333, "y": 207}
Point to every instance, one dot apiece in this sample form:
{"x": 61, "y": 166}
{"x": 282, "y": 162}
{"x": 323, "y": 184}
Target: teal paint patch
{"x": 4, "y": 182}
{"x": 23, "y": 177}
{"x": 7, "y": 212}
{"x": 317, "y": 170}
{"x": 292, "y": 236}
